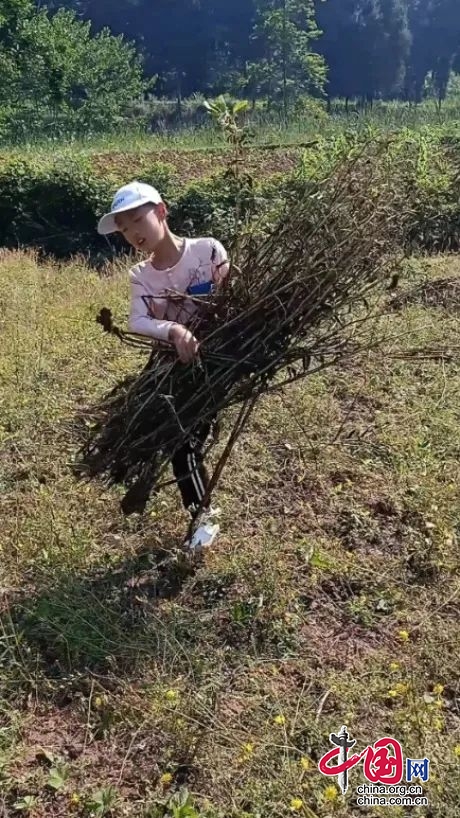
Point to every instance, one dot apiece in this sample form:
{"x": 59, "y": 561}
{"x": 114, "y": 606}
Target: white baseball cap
{"x": 127, "y": 198}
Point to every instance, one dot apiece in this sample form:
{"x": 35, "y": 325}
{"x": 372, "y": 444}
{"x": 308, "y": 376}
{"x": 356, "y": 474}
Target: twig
{"x": 323, "y": 701}
{"x": 87, "y": 731}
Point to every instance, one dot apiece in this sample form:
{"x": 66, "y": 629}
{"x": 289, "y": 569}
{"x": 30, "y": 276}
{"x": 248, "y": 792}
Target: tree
{"x": 435, "y": 26}
{"x": 394, "y": 47}
{"x": 421, "y": 56}
{"x": 445, "y": 32}
{"x": 286, "y": 65}
{"x": 368, "y": 20}
{"x": 229, "y": 44}
{"x": 58, "y": 73}
{"x": 273, "y": 48}
{"x": 365, "y": 44}
{"x": 339, "y": 46}
{"x": 171, "y": 35}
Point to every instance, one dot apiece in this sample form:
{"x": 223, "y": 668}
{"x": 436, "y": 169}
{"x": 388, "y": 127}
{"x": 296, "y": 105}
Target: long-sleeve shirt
{"x": 203, "y": 264}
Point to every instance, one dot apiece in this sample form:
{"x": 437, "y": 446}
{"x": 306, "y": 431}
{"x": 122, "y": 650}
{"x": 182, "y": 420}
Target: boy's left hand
{"x": 186, "y": 344}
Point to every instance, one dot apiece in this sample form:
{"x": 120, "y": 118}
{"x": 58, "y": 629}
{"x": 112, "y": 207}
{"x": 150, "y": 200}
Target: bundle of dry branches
{"x": 296, "y": 304}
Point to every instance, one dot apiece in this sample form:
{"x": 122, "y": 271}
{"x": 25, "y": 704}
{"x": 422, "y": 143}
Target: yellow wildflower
{"x": 393, "y": 693}
{"x": 403, "y": 635}
{"x": 439, "y": 704}
{"x": 97, "y": 702}
{"x": 438, "y": 689}
{"x": 296, "y": 804}
{"x": 247, "y": 751}
{"x": 171, "y": 695}
{"x": 280, "y": 720}
{"x": 394, "y": 666}
{"x": 330, "y": 793}
{"x": 305, "y": 763}
{"x": 166, "y": 779}
{"x": 75, "y": 798}
{"x": 457, "y": 751}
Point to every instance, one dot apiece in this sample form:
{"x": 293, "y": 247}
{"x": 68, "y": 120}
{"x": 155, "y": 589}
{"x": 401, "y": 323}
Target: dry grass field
{"x": 128, "y": 688}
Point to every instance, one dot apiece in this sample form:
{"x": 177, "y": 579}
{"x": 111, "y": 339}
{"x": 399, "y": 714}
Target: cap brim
{"x": 108, "y": 224}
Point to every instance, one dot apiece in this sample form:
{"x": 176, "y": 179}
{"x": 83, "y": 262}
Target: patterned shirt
{"x": 153, "y": 309}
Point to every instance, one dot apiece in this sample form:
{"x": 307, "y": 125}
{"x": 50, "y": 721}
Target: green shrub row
{"x": 52, "y": 208}
{"x": 54, "y": 205}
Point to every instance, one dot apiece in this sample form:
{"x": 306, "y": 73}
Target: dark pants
{"x": 190, "y": 471}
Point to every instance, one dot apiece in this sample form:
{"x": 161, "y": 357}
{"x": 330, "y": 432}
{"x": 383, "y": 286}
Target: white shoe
{"x": 205, "y": 532}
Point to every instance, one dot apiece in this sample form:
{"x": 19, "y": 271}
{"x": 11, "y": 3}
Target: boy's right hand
{"x": 185, "y": 342}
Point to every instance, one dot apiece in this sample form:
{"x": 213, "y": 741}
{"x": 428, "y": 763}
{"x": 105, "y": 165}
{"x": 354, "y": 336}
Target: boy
{"x": 181, "y": 265}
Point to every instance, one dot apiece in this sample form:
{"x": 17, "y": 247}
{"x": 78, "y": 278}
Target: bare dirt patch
{"x": 191, "y": 165}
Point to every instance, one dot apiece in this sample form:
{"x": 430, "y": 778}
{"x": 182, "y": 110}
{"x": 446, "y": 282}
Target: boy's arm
{"x": 219, "y": 262}
{"x": 219, "y": 265}
{"x": 141, "y": 322}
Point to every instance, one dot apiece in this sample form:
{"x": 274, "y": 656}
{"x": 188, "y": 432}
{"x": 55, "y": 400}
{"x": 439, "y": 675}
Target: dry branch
{"x": 297, "y": 304}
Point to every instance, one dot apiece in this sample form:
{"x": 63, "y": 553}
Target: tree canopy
{"x": 372, "y": 48}
{"x": 54, "y": 71}
{"x": 81, "y": 65}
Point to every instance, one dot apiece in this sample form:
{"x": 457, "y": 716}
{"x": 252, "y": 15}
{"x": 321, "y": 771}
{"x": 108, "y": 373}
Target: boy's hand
{"x": 186, "y": 344}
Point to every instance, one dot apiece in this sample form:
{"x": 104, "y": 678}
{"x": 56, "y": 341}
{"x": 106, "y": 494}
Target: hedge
{"x": 55, "y": 205}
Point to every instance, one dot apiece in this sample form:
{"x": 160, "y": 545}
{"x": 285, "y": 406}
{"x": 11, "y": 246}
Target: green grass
{"x": 267, "y": 128}
{"x": 340, "y": 533}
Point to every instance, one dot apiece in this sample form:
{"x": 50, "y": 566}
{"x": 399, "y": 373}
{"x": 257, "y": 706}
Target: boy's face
{"x": 143, "y": 227}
